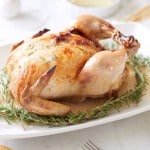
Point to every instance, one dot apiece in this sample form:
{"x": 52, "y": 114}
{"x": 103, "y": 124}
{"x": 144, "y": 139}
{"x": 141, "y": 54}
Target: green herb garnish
{"x": 12, "y": 114}
{"x": 30, "y": 53}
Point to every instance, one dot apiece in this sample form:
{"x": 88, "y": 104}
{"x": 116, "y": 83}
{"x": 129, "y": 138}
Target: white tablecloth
{"x": 127, "y": 134}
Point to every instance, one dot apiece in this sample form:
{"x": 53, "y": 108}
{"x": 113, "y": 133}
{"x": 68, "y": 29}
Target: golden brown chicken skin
{"x": 70, "y": 63}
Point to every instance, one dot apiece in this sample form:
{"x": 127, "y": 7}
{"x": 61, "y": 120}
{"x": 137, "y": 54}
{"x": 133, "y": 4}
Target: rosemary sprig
{"x": 111, "y": 45}
{"x": 12, "y": 114}
{"x": 143, "y": 61}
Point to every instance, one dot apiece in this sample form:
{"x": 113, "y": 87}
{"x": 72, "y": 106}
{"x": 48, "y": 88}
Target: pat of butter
{"x": 92, "y": 2}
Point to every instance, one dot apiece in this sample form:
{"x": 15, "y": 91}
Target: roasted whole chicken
{"x": 73, "y": 63}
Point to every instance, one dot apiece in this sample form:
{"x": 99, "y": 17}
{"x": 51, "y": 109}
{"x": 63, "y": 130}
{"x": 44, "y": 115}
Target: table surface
{"x": 128, "y": 134}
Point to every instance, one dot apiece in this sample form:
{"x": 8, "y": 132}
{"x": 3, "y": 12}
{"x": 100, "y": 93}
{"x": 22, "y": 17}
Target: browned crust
{"x": 40, "y": 33}
{"x": 13, "y": 47}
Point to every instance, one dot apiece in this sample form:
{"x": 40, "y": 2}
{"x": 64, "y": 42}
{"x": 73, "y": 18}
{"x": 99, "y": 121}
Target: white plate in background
{"x": 17, "y": 131}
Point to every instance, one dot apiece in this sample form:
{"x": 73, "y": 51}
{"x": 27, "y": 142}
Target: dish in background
{"x": 100, "y": 8}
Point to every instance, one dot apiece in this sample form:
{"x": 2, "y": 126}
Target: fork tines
{"x": 89, "y": 145}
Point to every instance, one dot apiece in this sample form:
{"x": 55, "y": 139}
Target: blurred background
{"x": 22, "y": 18}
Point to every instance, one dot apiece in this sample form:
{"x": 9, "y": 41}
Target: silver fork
{"x": 89, "y": 145}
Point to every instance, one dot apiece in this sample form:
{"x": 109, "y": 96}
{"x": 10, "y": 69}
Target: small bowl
{"x": 75, "y": 10}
